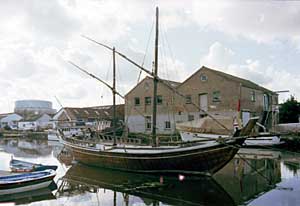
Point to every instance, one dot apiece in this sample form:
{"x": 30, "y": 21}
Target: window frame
{"x": 188, "y": 99}
{"x": 148, "y": 100}
{"x": 203, "y": 77}
{"x": 216, "y": 96}
{"x": 148, "y": 121}
{"x": 137, "y": 99}
{"x": 167, "y": 125}
{"x": 191, "y": 117}
{"x": 253, "y": 96}
{"x": 159, "y": 99}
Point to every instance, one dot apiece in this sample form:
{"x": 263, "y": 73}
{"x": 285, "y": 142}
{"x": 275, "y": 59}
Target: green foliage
{"x": 6, "y": 127}
{"x": 289, "y": 111}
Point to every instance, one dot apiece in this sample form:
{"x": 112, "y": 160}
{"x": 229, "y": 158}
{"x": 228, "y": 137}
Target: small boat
{"x": 264, "y": 140}
{"x": 16, "y": 183}
{"x": 52, "y": 135}
{"x": 207, "y": 129}
{"x": 22, "y": 166}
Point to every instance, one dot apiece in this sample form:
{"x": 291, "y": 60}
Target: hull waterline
{"x": 186, "y": 160}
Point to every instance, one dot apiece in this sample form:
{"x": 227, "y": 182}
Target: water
{"x": 253, "y": 177}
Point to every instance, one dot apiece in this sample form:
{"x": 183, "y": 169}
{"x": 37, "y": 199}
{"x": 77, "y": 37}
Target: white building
{"x": 36, "y": 122}
{"x": 10, "y": 120}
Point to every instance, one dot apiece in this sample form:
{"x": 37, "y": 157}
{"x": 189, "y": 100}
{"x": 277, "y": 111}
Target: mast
{"x": 155, "y": 81}
{"x": 114, "y": 96}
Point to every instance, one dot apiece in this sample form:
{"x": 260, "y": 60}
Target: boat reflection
{"x": 292, "y": 163}
{"x": 149, "y": 189}
{"x": 252, "y": 173}
{"x": 30, "y": 196}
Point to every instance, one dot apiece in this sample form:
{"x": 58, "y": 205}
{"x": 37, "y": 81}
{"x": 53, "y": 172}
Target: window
{"x": 216, "y": 96}
{"x": 136, "y": 101}
{"x": 147, "y": 100}
{"x": 159, "y": 99}
{"x": 190, "y": 117}
{"x": 253, "y": 96}
{"x": 203, "y": 77}
{"x": 148, "y": 122}
{"x": 188, "y": 99}
{"x": 167, "y": 125}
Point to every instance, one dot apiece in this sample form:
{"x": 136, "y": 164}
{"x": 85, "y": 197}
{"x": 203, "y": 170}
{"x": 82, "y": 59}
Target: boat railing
{"x": 104, "y": 139}
{"x": 119, "y": 139}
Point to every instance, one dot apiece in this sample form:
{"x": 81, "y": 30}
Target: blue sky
{"x": 257, "y": 40}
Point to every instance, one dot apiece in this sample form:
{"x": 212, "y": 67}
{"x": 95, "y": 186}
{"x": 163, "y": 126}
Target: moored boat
{"x": 52, "y": 135}
{"x": 23, "y": 166}
{"x": 192, "y": 158}
{"x": 15, "y": 183}
{"x": 186, "y": 158}
{"x": 264, "y": 140}
{"x": 207, "y": 129}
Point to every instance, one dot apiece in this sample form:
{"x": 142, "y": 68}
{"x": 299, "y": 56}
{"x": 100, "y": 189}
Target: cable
{"x": 150, "y": 35}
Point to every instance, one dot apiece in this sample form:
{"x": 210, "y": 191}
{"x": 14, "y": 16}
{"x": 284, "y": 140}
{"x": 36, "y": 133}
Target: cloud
{"x": 218, "y": 56}
{"x": 264, "y": 21}
{"x": 38, "y": 37}
{"x": 224, "y": 59}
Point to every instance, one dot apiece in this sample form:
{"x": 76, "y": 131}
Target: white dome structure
{"x": 34, "y": 106}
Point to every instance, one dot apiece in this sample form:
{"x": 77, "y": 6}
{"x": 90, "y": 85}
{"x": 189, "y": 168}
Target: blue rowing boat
{"x": 22, "y": 166}
{"x": 15, "y": 183}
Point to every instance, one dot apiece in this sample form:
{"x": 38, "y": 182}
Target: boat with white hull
{"x": 16, "y": 183}
{"x": 205, "y": 129}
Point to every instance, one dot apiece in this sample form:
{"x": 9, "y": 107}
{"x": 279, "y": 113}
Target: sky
{"x": 256, "y": 40}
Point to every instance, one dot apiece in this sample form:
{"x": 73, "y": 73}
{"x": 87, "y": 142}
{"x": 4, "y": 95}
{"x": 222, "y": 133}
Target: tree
{"x": 289, "y": 111}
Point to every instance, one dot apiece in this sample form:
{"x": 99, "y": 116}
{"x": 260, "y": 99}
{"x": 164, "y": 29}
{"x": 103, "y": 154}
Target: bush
{"x": 289, "y": 111}
{"x": 6, "y": 127}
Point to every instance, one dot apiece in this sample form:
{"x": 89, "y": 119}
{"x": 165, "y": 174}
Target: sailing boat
{"x": 189, "y": 158}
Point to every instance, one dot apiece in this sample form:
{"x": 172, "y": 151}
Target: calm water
{"x": 253, "y": 177}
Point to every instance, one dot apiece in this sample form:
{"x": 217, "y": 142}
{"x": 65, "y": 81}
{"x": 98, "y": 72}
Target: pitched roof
{"x": 31, "y": 117}
{"x": 96, "y": 112}
{"x": 171, "y": 83}
{"x": 244, "y": 82}
{"x": 4, "y": 115}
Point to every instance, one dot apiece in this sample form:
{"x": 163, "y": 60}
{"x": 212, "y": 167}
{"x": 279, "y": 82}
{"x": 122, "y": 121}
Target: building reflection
{"x": 251, "y": 173}
{"x": 29, "y": 148}
{"x": 144, "y": 189}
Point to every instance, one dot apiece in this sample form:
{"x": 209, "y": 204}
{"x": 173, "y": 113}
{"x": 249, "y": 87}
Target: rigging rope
{"x": 106, "y": 78}
{"x": 144, "y": 58}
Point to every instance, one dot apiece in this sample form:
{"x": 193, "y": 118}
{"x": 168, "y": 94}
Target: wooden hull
{"x": 186, "y": 160}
